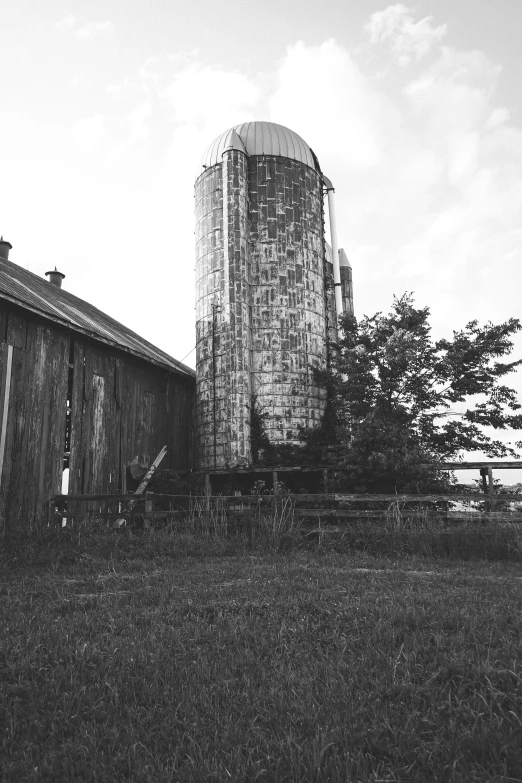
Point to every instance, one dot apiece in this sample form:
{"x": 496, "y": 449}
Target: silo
{"x": 262, "y": 290}
{"x": 345, "y": 269}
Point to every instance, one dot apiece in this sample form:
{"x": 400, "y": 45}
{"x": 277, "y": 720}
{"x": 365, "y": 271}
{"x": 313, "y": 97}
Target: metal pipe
{"x": 335, "y": 250}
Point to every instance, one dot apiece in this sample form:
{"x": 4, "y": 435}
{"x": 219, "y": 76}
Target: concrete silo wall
{"x": 223, "y": 348}
{"x": 236, "y": 303}
{"x": 261, "y": 308}
{"x": 288, "y": 294}
{"x": 210, "y": 283}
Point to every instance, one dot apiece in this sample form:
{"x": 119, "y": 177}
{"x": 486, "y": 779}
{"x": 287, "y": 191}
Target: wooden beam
{"x": 499, "y": 465}
{"x": 43, "y": 443}
{"x": 141, "y": 489}
{"x": 334, "y": 514}
{"x": 509, "y": 465}
{"x": 255, "y": 499}
{"x": 423, "y": 498}
{"x": 337, "y": 513}
{"x": 267, "y": 469}
{"x": 332, "y": 497}
{"x": 79, "y": 498}
{"x": 149, "y": 512}
{"x": 325, "y": 481}
{"x": 5, "y": 407}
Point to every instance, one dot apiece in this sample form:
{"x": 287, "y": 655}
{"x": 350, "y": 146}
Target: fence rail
{"x": 334, "y": 507}
{"x": 297, "y": 498}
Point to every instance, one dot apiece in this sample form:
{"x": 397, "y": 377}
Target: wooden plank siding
{"x": 94, "y": 463}
{"x": 32, "y": 462}
{"x": 121, "y": 406}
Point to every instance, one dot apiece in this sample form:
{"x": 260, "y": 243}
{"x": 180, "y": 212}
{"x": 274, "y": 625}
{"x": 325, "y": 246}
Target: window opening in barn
{"x": 68, "y": 422}
{"x": 65, "y": 482}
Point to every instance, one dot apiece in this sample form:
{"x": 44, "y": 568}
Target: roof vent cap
{"x": 55, "y": 277}
{"x": 5, "y": 247}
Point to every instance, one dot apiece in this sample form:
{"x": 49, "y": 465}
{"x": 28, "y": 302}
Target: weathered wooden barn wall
{"x": 33, "y": 383}
{"x": 121, "y": 406}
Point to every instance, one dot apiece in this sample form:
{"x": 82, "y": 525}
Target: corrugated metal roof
{"x": 262, "y": 138}
{"x": 34, "y": 293}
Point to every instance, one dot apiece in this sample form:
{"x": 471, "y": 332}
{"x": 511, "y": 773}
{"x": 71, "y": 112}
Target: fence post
{"x": 208, "y": 492}
{"x": 491, "y": 489}
{"x": 487, "y": 486}
{"x": 149, "y": 504}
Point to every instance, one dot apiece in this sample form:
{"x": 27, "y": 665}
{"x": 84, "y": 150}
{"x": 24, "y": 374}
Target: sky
{"x": 413, "y": 109}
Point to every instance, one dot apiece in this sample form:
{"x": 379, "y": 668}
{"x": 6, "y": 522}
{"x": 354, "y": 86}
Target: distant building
{"x": 269, "y": 290}
{"x": 78, "y": 391}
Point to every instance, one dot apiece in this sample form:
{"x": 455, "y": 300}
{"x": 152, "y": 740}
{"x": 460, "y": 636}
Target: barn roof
{"x": 47, "y": 300}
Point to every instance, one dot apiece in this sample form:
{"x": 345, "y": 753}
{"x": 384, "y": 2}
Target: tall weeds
{"x": 270, "y": 524}
{"x": 278, "y": 526}
{"x": 208, "y": 517}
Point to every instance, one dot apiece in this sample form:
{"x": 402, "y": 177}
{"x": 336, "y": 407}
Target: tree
{"x": 392, "y": 392}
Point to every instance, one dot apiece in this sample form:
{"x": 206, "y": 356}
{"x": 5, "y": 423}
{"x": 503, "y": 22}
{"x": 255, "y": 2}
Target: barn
{"x": 78, "y": 391}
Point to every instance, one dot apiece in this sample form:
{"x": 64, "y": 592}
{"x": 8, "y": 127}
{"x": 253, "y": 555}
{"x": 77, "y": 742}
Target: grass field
{"x": 137, "y": 660}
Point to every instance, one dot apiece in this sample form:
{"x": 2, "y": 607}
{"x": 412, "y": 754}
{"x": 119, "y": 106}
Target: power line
{"x": 188, "y": 354}
{"x": 210, "y": 327}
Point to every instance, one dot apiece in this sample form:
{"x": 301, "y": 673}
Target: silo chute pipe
{"x": 335, "y": 249}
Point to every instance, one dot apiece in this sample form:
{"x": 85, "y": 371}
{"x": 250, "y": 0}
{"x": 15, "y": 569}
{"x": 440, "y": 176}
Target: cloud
{"x": 321, "y": 89}
{"x": 89, "y": 132}
{"x": 66, "y": 23}
{"x": 137, "y": 122}
{"x": 95, "y": 30}
{"x": 427, "y": 173}
{"x": 195, "y": 102}
{"x": 470, "y": 217}
{"x": 198, "y": 92}
{"x": 88, "y": 30}
{"x": 112, "y": 138}
{"x": 455, "y": 92}
{"x": 126, "y": 89}
{"x": 408, "y": 40}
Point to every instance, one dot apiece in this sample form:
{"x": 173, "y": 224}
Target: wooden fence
{"x": 333, "y": 508}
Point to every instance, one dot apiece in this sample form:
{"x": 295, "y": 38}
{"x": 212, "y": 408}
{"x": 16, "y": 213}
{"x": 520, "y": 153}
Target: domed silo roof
{"x": 261, "y": 138}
